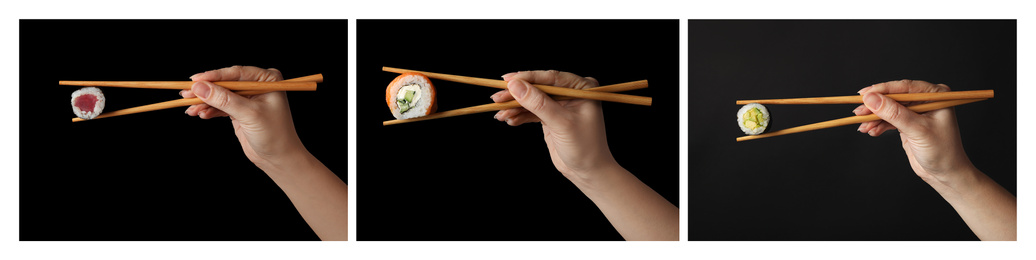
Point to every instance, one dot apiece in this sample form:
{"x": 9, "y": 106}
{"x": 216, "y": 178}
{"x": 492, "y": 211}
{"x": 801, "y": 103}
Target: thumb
{"x": 891, "y": 111}
{"x": 537, "y": 102}
{"x": 221, "y": 98}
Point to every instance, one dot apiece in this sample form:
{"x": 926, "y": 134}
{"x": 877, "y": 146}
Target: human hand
{"x": 262, "y": 123}
{"x": 931, "y": 140}
{"x": 573, "y": 129}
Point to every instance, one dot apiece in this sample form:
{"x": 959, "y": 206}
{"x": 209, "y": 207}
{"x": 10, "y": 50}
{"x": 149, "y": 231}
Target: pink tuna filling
{"x": 86, "y": 102}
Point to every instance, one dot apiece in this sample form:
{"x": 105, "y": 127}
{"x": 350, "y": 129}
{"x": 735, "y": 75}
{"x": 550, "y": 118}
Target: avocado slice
{"x": 753, "y": 118}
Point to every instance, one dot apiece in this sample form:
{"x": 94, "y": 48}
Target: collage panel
{"x": 167, "y": 174}
{"x": 474, "y": 177}
{"x": 869, "y": 182}
{"x": 579, "y": 148}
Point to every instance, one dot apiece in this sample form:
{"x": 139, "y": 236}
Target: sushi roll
{"x": 87, "y": 102}
{"x": 753, "y": 118}
{"x": 411, "y": 95}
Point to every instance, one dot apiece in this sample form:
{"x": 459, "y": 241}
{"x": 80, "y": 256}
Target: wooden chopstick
{"x": 231, "y": 85}
{"x": 921, "y": 108}
{"x": 576, "y": 93}
{"x": 514, "y": 104}
{"x": 858, "y": 99}
{"x": 317, "y": 78}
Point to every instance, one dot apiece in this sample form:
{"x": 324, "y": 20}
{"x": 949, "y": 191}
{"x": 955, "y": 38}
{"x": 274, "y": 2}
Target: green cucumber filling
{"x": 403, "y": 106}
{"x": 753, "y": 119}
{"x": 407, "y": 97}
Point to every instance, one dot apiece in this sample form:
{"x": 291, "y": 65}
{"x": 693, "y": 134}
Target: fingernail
{"x": 872, "y": 101}
{"x": 517, "y": 88}
{"x": 493, "y": 97}
{"x": 497, "y": 115}
{"x": 509, "y": 75}
{"x": 856, "y": 110}
{"x": 201, "y": 90}
{"x": 860, "y": 129}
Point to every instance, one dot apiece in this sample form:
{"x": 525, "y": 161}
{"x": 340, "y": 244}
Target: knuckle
{"x": 554, "y": 76}
{"x": 275, "y": 74}
{"x": 891, "y": 113}
{"x": 921, "y": 84}
{"x": 593, "y": 82}
{"x": 536, "y": 103}
{"x": 220, "y": 100}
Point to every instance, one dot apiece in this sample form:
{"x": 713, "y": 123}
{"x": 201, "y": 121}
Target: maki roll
{"x": 410, "y": 95}
{"x": 753, "y": 118}
{"x": 87, "y": 102}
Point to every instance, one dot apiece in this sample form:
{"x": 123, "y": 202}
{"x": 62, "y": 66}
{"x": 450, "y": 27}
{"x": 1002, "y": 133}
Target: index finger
{"x": 905, "y": 86}
{"x": 555, "y": 78}
{"x": 239, "y": 73}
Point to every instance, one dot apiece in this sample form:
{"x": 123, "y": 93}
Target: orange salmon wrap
{"x": 411, "y": 95}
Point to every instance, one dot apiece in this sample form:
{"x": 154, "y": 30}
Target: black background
{"x": 163, "y": 175}
{"x": 473, "y": 178}
{"x": 836, "y": 184}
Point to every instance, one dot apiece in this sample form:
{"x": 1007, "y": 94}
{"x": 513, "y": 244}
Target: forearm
{"x": 635, "y": 210}
{"x": 317, "y": 193}
{"x": 988, "y": 209}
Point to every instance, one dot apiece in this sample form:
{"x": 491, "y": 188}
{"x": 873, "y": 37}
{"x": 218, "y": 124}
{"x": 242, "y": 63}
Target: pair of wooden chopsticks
{"x": 231, "y": 85}
{"x": 244, "y": 88}
{"x": 603, "y": 93}
{"x": 940, "y": 100}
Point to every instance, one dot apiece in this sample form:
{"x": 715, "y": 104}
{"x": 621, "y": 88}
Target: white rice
{"x": 423, "y": 103}
{"x": 98, "y": 106}
{"x": 763, "y": 125}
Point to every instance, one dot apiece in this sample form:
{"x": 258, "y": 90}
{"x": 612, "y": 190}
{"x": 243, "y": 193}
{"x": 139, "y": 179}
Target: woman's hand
{"x": 933, "y": 147}
{"x": 267, "y": 134}
{"x": 573, "y": 129}
{"x": 574, "y": 133}
{"x": 931, "y": 140}
{"x": 262, "y": 123}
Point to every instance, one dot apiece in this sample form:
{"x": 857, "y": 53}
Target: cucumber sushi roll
{"x": 410, "y": 95}
{"x": 753, "y": 119}
{"x": 87, "y": 102}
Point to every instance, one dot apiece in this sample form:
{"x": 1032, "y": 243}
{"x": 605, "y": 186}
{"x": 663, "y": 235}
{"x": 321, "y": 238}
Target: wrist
{"x": 286, "y": 162}
{"x": 591, "y": 178}
{"x": 955, "y": 182}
